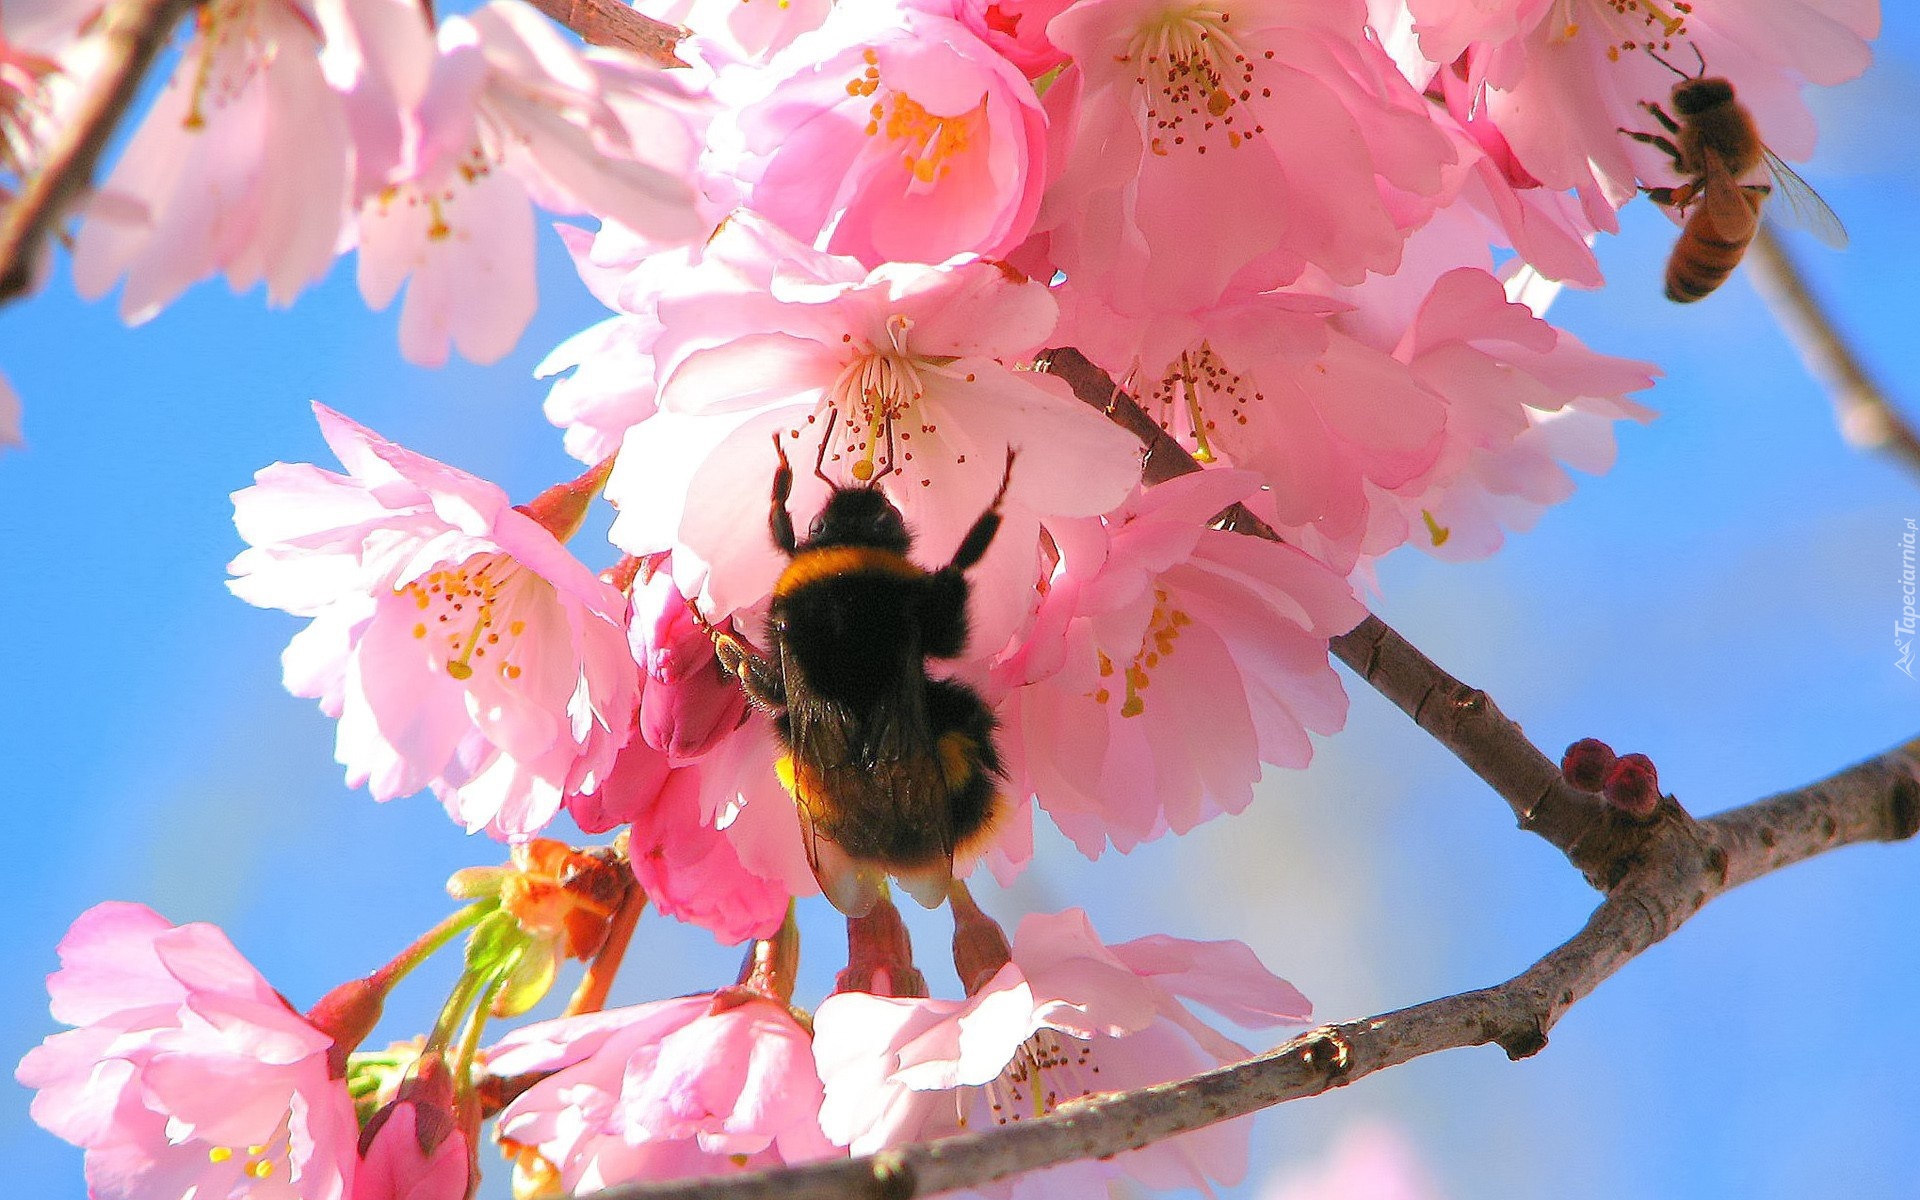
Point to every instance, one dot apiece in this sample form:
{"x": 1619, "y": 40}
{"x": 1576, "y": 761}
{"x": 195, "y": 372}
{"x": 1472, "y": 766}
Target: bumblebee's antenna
{"x": 826, "y": 439}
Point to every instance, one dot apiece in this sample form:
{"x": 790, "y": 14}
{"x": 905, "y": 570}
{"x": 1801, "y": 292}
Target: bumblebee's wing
{"x": 864, "y": 775}
{"x": 1800, "y": 206}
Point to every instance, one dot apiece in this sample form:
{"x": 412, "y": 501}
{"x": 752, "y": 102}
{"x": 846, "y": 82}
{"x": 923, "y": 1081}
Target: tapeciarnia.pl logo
{"x": 1903, "y": 629}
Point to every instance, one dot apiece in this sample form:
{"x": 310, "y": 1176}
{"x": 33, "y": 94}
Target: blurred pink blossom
{"x": 187, "y": 1075}
{"x": 241, "y": 165}
{"x": 894, "y": 134}
{"x": 460, "y": 645}
{"x": 1068, "y": 1016}
{"x": 1168, "y": 661}
{"x": 505, "y": 114}
{"x": 711, "y": 1084}
{"x": 1368, "y": 1161}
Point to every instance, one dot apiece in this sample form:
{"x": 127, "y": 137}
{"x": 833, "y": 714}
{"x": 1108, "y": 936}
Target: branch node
{"x": 1328, "y": 1052}
{"x": 1905, "y": 807}
{"x": 893, "y": 1177}
{"x": 1524, "y": 1044}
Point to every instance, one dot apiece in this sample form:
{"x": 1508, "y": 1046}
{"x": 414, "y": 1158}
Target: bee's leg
{"x": 1660, "y": 114}
{"x": 778, "y": 518}
{"x": 1662, "y": 144}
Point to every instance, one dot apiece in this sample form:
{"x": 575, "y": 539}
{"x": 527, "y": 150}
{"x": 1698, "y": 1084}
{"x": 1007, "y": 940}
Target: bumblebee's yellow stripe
{"x": 956, "y": 751}
{"x": 811, "y": 566}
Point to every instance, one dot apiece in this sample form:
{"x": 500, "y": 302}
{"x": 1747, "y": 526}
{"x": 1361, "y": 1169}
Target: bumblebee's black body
{"x": 893, "y": 767}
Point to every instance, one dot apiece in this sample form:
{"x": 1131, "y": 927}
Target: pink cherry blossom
{"x": 1560, "y": 78}
{"x": 240, "y": 167}
{"x": 748, "y": 30}
{"x": 1246, "y": 138}
{"x": 460, "y": 645}
{"x": 187, "y": 1074}
{"x": 689, "y": 702}
{"x": 1015, "y": 28}
{"x": 397, "y": 1166}
{"x": 703, "y": 1085}
{"x": 1168, "y": 661}
{"x": 1522, "y": 398}
{"x": 1271, "y": 384}
{"x": 716, "y": 843}
{"x": 1068, "y": 1016}
{"x": 911, "y": 365}
{"x": 691, "y": 871}
{"x": 606, "y": 383}
{"x": 507, "y": 114}
{"x": 894, "y": 134}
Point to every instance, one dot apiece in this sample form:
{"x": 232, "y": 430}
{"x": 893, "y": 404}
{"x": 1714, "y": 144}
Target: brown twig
{"x": 1463, "y": 719}
{"x": 1675, "y": 867}
{"x": 1866, "y": 417}
{"x": 134, "y": 31}
{"x": 611, "y": 23}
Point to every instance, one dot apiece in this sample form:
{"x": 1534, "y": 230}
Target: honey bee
{"x": 1714, "y": 142}
{"x": 892, "y": 770}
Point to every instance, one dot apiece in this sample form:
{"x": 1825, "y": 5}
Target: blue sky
{"x": 1722, "y": 601}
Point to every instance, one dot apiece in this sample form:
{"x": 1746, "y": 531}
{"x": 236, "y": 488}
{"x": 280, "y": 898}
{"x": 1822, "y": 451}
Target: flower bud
{"x": 1633, "y": 786}
{"x": 1586, "y": 763}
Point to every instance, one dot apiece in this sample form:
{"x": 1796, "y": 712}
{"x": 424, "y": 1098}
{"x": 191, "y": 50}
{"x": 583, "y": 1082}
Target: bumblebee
{"x": 1715, "y": 143}
{"x": 893, "y": 771}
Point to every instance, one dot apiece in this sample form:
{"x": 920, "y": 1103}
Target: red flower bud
{"x": 1633, "y": 786}
{"x": 1586, "y": 763}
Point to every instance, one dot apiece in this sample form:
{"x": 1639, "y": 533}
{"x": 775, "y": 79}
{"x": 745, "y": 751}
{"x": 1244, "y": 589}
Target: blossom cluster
{"x": 843, "y": 247}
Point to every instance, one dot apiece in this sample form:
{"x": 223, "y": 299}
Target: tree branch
{"x": 611, "y": 23}
{"x": 134, "y": 31}
{"x": 1592, "y": 834}
{"x": 1867, "y": 419}
{"x": 1678, "y": 865}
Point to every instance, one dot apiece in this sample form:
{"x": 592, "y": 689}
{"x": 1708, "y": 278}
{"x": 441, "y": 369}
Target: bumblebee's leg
{"x": 943, "y": 597}
{"x": 758, "y": 677}
{"x": 778, "y": 518}
{"x": 973, "y": 547}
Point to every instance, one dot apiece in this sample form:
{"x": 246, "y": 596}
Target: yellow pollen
{"x": 462, "y": 617}
{"x": 219, "y": 1154}
{"x": 1435, "y": 530}
{"x": 439, "y": 231}
{"x": 258, "y": 1170}
{"x": 1156, "y": 644}
{"x": 929, "y": 139}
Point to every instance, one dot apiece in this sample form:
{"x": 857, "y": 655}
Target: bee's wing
{"x": 1730, "y": 210}
{"x": 1800, "y": 206}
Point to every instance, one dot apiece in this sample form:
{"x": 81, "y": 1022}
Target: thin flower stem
{"x": 134, "y": 32}
{"x": 591, "y": 995}
{"x": 429, "y": 943}
{"x": 1867, "y": 418}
